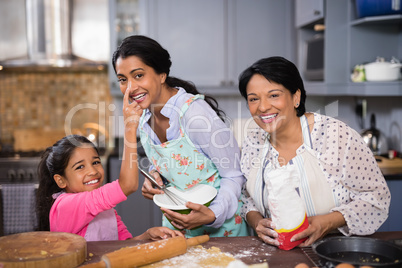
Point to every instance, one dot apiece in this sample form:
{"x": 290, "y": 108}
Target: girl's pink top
{"x": 72, "y": 212}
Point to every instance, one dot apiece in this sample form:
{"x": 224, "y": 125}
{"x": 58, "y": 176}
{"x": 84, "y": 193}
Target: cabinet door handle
{"x": 317, "y": 12}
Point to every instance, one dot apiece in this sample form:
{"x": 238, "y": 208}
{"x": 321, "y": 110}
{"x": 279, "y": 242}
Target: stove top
{"x": 15, "y": 168}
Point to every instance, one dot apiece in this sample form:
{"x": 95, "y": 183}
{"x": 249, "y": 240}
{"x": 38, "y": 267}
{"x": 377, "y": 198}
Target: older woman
{"x": 336, "y": 174}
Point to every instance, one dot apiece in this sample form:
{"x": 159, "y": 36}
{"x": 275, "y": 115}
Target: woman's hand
{"x": 263, "y": 227}
{"x": 265, "y": 231}
{"x": 319, "y": 226}
{"x": 198, "y": 216}
{"x": 148, "y": 191}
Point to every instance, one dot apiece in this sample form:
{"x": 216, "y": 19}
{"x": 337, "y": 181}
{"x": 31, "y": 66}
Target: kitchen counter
{"x": 390, "y": 166}
{"x": 248, "y": 249}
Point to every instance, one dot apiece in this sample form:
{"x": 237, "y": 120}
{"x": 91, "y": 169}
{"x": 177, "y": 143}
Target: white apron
{"x": 303, "y": 172}
{"x": 103, "y": 227}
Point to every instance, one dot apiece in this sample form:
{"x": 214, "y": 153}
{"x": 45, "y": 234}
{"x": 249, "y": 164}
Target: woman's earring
{"x": 297, "y": 105}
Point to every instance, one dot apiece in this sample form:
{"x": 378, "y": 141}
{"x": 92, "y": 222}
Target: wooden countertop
{"x": 248, "y": 249}
{"x": 389, "y": 166}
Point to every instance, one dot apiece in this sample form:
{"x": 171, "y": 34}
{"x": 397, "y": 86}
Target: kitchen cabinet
{"x": 126, "y": 17}
{"x": 349, "y": 41}
{"x": 212, "y": 41}
{"x": 308, "y": 11}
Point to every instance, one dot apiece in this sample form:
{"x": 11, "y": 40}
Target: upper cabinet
{"x": 193, "y": 32}
{"x": 348, "y": 41}
{"x": 212, "y": 41}
{"x": 308, "y": 11}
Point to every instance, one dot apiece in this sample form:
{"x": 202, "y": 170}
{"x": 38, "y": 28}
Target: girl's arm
{"x": 72, "y": 212}
{"x": 129, "y": 167}
{"x": 158, "y": 233}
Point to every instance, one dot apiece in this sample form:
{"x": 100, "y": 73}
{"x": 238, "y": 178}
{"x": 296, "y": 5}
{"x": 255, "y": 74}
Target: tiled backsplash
{"x": 49, "y": 99}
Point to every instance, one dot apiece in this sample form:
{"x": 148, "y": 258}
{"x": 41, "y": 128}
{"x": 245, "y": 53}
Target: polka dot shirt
{"x": 362, "y": 194}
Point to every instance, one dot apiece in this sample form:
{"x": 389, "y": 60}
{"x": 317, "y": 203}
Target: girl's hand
{"x": 131, "y": 111}
{"x": 158, "y": 233}
{"x": 265, "y": 231}
{"x": 198, "y": 216}
{"x": 147, "y": 189}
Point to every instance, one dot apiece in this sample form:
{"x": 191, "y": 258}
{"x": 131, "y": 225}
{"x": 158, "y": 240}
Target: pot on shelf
{"x": 382, "y": 70}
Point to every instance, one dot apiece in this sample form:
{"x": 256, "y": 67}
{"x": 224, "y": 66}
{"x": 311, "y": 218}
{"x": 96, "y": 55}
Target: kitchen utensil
{"x": 175, "y": 197}
{"x": 358, "y": 251}
{"x": 381, "y": 70}
{"x": 200, "y": 194}
{"x": 148, "y": 253}
{"x": 373, "y": 137}
{"x": 42, "y": 249}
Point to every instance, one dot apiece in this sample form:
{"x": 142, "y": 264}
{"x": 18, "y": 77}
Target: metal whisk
{"x": 176, "y": 199}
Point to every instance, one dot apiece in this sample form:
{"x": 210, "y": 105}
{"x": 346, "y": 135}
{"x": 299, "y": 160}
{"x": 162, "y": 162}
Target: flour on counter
{"x": 264, "y": 250}
{"x": 198, "y": 256}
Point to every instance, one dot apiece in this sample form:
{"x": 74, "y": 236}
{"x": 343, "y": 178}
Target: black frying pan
{"x": 358, "y": 251}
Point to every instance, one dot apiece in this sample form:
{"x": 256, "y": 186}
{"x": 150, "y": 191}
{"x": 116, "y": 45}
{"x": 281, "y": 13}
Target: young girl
{"x": 71, "y": 197}
{"x": 184, "y": 138}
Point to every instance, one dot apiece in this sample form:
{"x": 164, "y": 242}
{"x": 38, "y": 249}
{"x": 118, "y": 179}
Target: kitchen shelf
{"x": 384, "y": 89}
{"x": 350, "y": 41}
{"x": 212, "y": 91}
{"x": 377, "y": 20}
{"x": 221, "y": 91}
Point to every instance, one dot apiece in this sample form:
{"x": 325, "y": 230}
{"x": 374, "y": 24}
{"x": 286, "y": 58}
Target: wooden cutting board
{"x": 42, "y": 249}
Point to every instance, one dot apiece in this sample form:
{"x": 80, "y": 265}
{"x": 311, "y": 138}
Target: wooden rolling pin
{"x": 147, "y": 253}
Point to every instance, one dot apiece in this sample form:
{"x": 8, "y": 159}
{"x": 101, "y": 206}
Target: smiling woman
{"x": 324, "y": 162}
{"x": 182, "y": 133}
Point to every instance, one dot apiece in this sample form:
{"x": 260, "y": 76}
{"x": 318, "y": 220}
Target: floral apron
{"x": 184, "y": 166}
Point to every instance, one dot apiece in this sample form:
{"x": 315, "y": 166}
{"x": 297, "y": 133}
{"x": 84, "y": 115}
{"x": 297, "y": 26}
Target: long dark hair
{"x": 155, "y": 56}
{"x": 280, "y": 71}
{"x": 54, "y": 161}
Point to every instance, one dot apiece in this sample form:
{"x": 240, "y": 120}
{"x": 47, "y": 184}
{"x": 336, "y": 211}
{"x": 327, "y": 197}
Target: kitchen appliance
{"x": 55, "y": 33}
{"x": 148, "y": 253}
{"x": 314, "y": 58}
{"x": 358, "y": 251}
{"x": 374, "y": 139}
{"x": 382, "y": 70}
{"x": 18, "y": 171}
